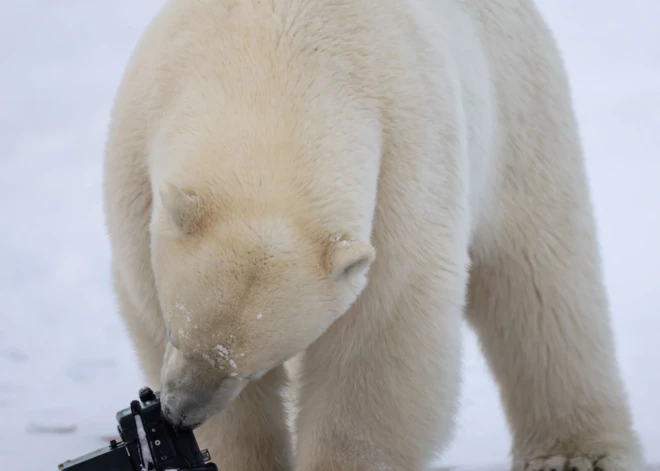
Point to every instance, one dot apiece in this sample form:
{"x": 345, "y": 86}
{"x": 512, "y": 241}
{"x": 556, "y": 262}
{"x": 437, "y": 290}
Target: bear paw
{"x": 578, "y": 463}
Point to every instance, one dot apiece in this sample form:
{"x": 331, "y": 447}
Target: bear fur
{"x": 343, "y": 182}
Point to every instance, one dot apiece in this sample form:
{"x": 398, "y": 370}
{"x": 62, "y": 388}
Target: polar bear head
{"x": 240, "y": 295}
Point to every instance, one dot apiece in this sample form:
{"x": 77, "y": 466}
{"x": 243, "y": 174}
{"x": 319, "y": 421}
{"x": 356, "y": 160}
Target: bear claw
{"x": 576, "y": 463}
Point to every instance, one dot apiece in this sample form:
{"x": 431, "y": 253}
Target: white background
{"x": 64, "y": 357}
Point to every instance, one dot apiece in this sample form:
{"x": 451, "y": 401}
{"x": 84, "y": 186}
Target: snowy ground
{"x": 65, "y": 364}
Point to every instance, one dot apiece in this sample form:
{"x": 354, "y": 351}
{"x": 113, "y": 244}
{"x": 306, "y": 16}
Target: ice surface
{"x": 66, "y": 366}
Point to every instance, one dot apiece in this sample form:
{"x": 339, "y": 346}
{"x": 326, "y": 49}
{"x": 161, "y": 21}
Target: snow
{"x": 223, "y": 351}
{"x": 66, "y": 366}
{"x": 144, "y": 442}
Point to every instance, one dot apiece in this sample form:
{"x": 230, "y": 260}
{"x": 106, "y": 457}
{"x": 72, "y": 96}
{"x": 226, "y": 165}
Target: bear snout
{"x": 178, "y": 416}
{"x": 187, "y": 406}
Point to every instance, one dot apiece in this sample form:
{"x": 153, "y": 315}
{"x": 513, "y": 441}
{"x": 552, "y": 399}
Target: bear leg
{"x": 537, "y": 301}
{"x": 378, "y": 390}
{"x": 252, "y": 433}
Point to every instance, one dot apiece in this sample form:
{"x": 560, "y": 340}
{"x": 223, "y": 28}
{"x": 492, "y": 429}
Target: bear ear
{"x": 350, "y": 258}
{"x": 184, "y": 209}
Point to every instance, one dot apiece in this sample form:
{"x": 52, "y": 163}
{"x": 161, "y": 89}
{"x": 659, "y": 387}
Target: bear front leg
{"x": 251, "y": 434}
{"x": 542, "y": 318}
{"x": 378, "y": 390}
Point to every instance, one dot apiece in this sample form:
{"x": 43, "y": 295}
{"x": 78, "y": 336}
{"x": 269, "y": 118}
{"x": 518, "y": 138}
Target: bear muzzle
{"x": 192, "y": 392}
{"x": 187, "y": 408}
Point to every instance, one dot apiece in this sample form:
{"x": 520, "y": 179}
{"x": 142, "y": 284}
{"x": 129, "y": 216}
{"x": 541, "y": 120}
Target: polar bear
{"x": 343, "y": 182}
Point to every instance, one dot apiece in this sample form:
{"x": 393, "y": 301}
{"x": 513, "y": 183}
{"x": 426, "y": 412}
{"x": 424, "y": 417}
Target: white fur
{"x": 344, "y": 180}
